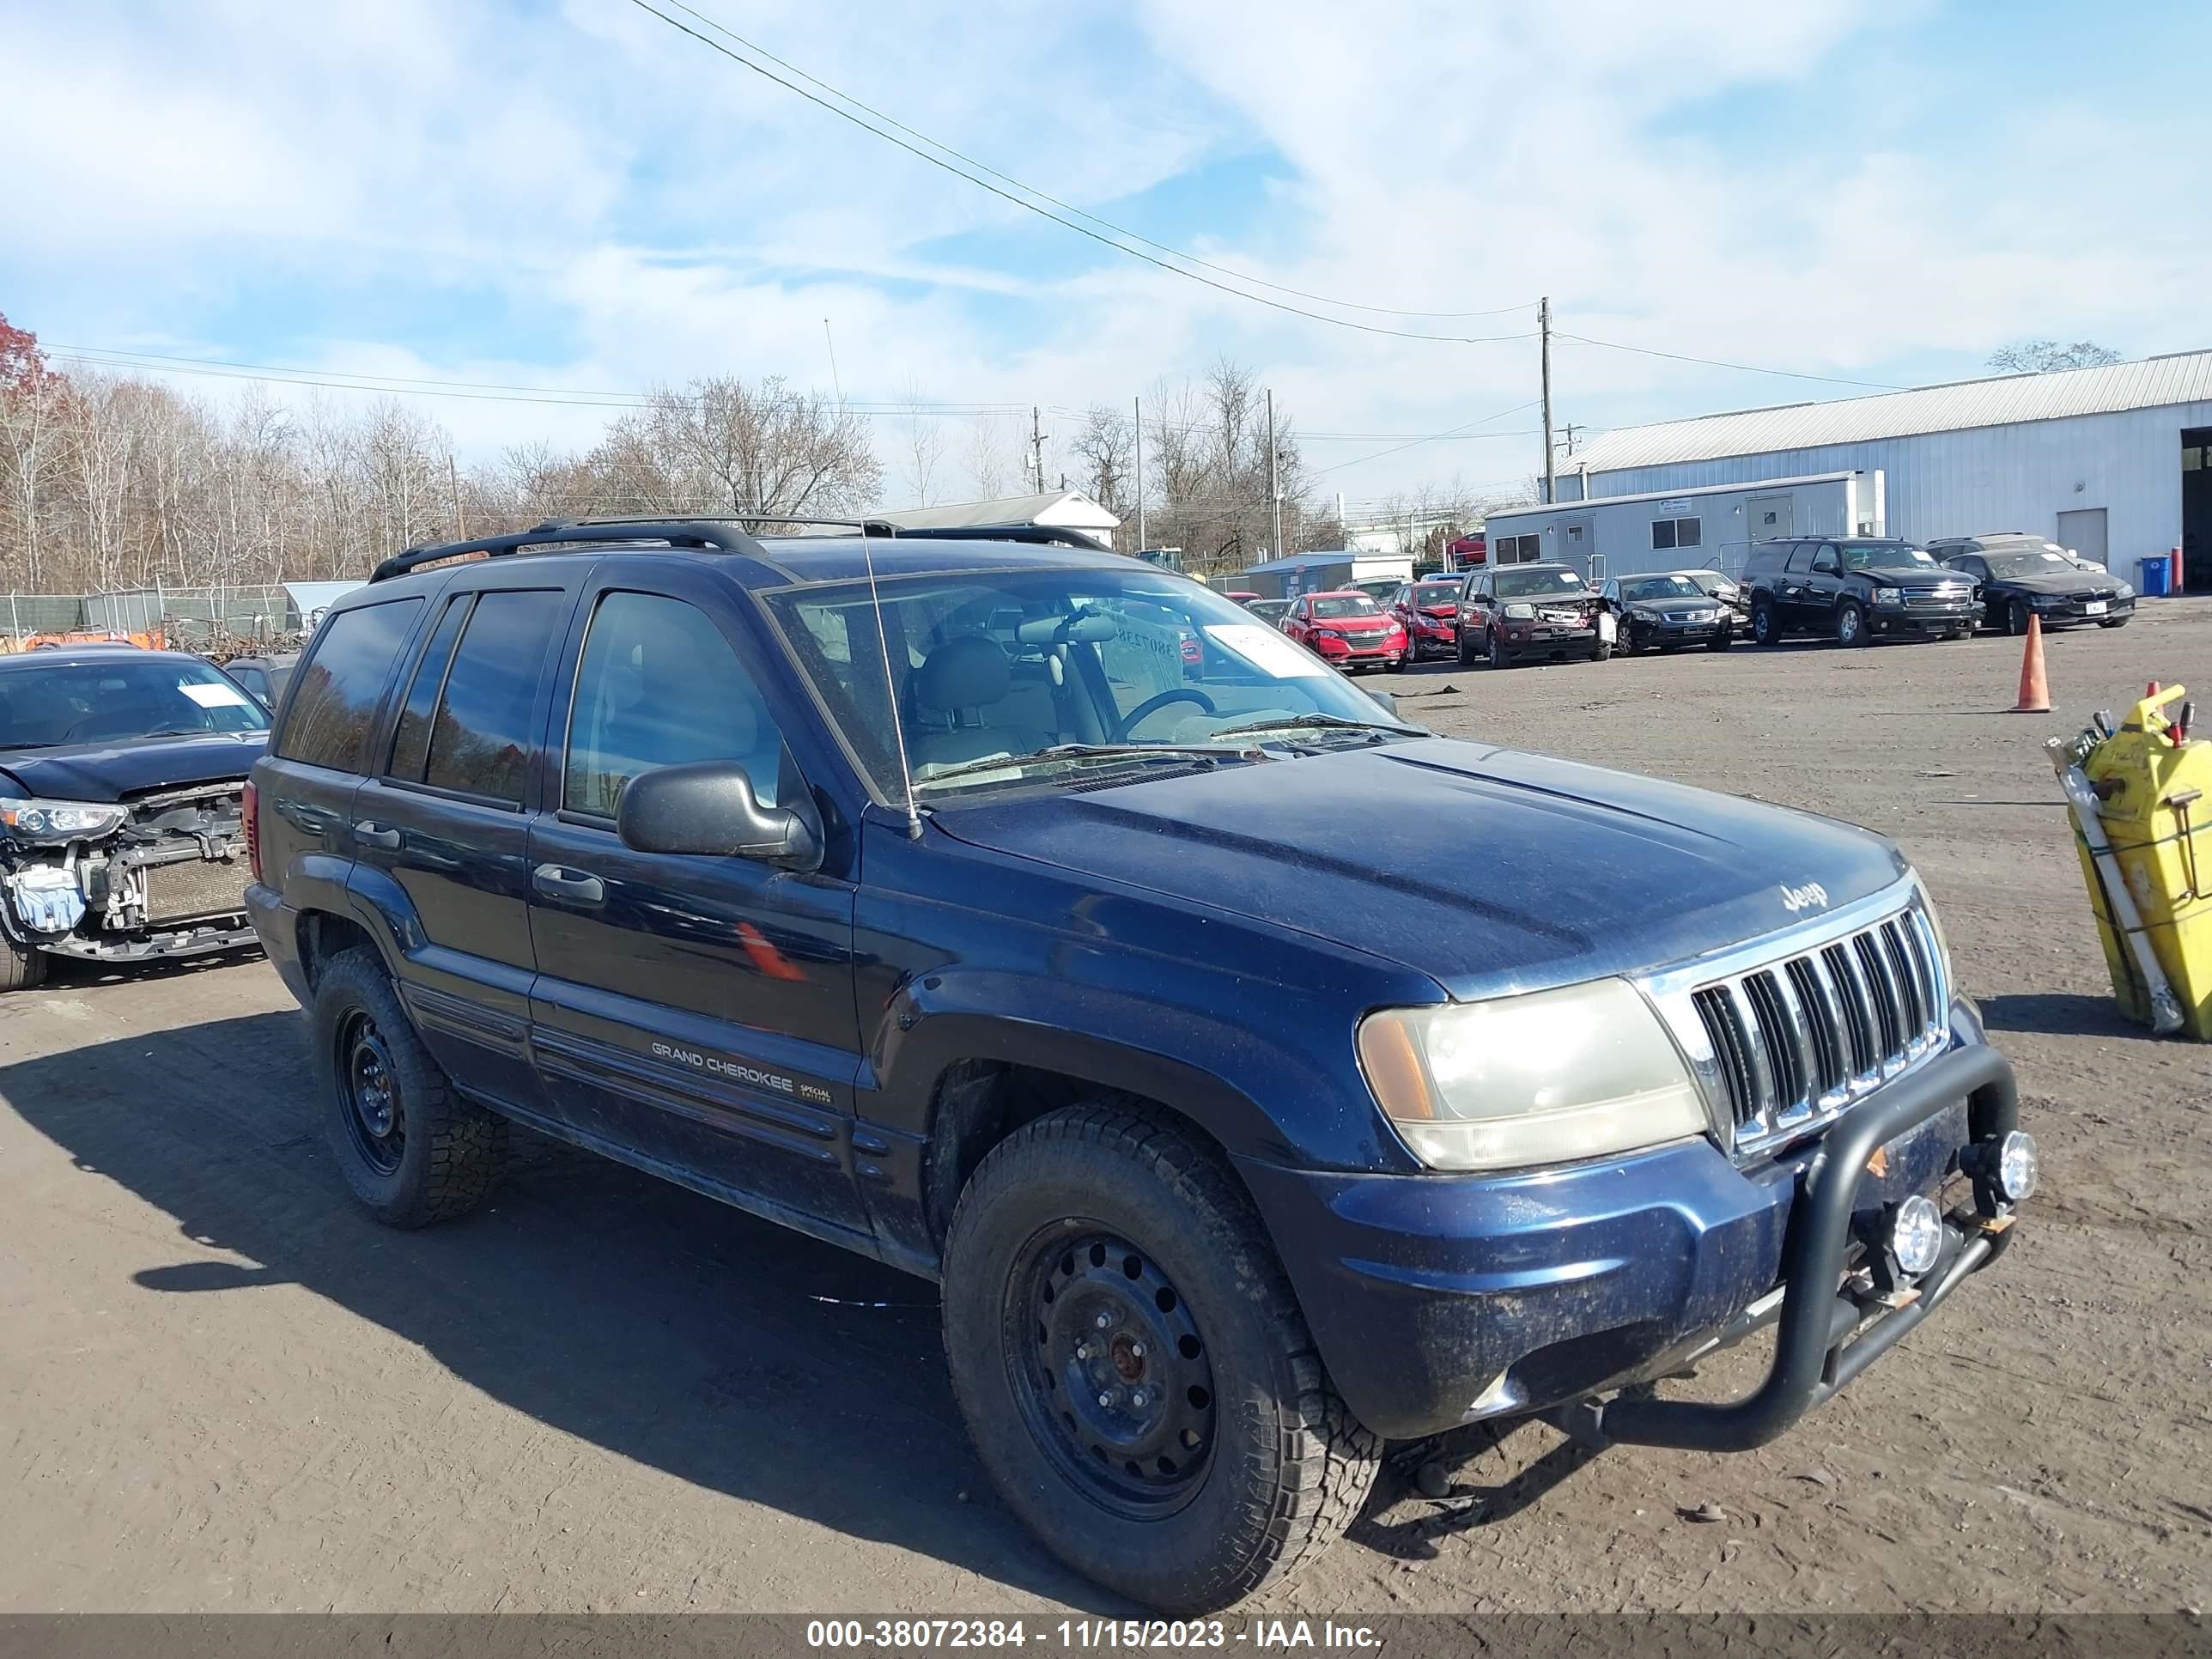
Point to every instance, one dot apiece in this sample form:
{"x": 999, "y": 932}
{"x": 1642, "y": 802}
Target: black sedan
{"x": 1669, "y": 611}
{"x": 2035, "y": 579}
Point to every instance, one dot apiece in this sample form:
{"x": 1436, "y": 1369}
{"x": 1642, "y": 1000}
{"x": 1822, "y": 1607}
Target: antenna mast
{"x": 890, "y": 692}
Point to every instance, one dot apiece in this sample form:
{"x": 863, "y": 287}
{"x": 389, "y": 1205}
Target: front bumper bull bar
{"x": 1815, "y": 1352}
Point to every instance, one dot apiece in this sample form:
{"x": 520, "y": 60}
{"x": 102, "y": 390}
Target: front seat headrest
{"x": 967, "y": 672}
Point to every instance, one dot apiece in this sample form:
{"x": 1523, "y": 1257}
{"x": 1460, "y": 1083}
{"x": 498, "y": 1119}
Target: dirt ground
{"x": 221, "y": 1389}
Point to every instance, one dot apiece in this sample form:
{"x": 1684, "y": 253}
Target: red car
{"x": 1428, "y": 611}
{"x": 1347, "y": 629}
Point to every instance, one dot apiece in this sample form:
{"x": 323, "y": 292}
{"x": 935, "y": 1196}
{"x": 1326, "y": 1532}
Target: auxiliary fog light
{"x": 2017, "y": 1168}
{"x": 1915, "y": 1234}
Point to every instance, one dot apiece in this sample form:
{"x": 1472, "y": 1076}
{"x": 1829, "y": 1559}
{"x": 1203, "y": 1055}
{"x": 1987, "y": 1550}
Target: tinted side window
{"x": 481, "y": 740}
{"x": 412, "y": 747}
{"x": 1801, "y": 556}
{"x": 341, "y": 682}
{"x": 252, "y": 679}
{"x": 659, "y": 686}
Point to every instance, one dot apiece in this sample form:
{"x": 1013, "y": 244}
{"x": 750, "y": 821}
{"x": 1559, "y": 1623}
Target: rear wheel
{"x": 1133, "y": 1367}
{"x": 412, "y": 1149}
{"x": 22, "y": 966}
{"x": 1850, "y": 626}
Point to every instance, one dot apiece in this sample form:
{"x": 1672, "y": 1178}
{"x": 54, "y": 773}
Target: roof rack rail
{"x": 719, "y": 537}
{"x": 1038, "y": 535}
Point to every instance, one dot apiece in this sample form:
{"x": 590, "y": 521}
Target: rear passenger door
{"x": 693, "y": 1013}
{"x": 443, "y": 823}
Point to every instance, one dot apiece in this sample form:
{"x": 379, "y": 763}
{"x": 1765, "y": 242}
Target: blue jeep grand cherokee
{"x": 919, "y": 893}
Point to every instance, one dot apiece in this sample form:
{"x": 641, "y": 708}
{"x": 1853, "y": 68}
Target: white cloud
{"x": 608, "y": 203}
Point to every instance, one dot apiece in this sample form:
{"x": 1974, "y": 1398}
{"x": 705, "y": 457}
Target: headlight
{"x": 1327, "y": 633}
{"x": 1888, "y": 598}
{"x": 1519, "y": 612}
{"x": 48, "y": 822}
{"x": 2127, "y": 590}
{"x": 1538, "y": 1078}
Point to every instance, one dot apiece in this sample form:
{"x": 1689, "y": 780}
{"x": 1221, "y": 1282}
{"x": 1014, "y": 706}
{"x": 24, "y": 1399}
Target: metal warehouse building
{"x": 2115, "y": 463}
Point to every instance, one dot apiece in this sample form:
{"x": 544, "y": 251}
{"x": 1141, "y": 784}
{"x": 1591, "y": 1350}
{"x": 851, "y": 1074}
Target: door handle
{"x": 557, "y": 882}
{"x": 376, "y": 835}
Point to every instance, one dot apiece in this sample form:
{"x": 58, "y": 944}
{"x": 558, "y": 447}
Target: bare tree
{"x": 923, "y": 447}
{"x": 1105, "y": 455}
{"x": 761, "y": 451}
{"x": 991, "y": 465}
{"x": 2041, "y": 357}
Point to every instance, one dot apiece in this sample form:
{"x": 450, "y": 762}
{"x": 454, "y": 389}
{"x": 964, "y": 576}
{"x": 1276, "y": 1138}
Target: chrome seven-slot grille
{"x": 1796, "y": 1040}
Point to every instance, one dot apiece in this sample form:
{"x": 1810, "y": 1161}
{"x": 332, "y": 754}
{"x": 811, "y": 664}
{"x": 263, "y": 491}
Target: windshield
{"x": 1005, "y": 665}
{"x": 1534, "y": 584}
{"x": 1268, "y": 610}
{"x": 1883, "y": 556}
{"x": 119, "y": 699}
{"x": 1346, "y": 604}
{"x": 2009, "y": 565}
{"x": 1663, "y": 588}
{"x": 1436, "y": 593}
{"x": 1711, "y": 581}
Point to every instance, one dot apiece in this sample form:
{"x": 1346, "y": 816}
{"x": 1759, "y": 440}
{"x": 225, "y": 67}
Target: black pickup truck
{"x": 923, "y": 894}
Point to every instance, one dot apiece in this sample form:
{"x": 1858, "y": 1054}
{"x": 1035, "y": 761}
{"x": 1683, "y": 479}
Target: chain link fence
{"x": 217, "y": 619}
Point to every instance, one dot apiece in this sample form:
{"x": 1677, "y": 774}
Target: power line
{"x": 1449, "y": 432}
{"x": 1044, "y": 195}
{"x": 1715, "y": 363}
{"x": 1047, "y": 213}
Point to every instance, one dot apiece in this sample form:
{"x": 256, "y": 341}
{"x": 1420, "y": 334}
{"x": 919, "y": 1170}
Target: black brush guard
{"x": 1814, "y": 1353}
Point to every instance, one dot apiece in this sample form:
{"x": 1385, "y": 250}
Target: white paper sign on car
{"x": 213, "y": 695}
{"x": 1266, "y": 649}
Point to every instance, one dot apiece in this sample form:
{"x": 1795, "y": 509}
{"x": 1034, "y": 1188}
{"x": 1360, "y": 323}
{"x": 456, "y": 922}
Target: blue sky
{"x": 571, "y": 193}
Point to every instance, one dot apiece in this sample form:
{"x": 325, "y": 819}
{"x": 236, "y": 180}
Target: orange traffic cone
{"x": 2034, "y": 689}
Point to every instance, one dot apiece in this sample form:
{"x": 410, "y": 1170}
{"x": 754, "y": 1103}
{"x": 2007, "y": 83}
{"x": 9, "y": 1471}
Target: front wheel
{"x": 1466, "y": 656}
{"x": 1498, "y": 657}
{"x": 1850, "y": 626}
{"x": 412, "y": 1149}
{"x": 22, "y": 966}
{"x": 1720, "y": 641}
{"x": 2016, "y": 617}
{"x": 1397, "y": 665}
{"x": 2114, "y": 621}
{"x": 1133, "y": 1367}
{"x": 1764, "y": 628}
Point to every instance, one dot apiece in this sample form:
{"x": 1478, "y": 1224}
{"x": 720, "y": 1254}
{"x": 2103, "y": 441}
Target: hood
{"x": 1661, "y": 607}
{"x": 1488, "y": 869}
{"x": 1913, "y": 576}
{"x": 2057, "y": 582}
{"x": 1449, "y": 608}
{"x": 108, "y": 771}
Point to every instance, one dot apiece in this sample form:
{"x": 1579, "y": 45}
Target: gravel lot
{"x": 224, "y": 1390}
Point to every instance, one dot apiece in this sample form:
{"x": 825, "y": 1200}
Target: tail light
{"x": 250, "y": 810}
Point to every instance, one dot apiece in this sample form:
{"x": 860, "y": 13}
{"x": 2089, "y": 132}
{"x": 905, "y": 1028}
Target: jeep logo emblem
{"x": 1811, "y": 896}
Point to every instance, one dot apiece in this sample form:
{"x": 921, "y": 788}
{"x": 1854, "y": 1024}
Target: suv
{"x": 1516, "y": 611}
{"x": 2023, "y": 576}
{"x": 905, "y": 892}
{"x": 1855, "y": 590}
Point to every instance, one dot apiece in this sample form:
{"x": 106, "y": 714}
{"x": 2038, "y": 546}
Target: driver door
{"x": 697, "y": 1013}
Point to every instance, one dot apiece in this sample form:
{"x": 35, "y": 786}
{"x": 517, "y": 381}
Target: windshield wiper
{"x": 1324, "y": 722}
{"x": 1073, "y": 752}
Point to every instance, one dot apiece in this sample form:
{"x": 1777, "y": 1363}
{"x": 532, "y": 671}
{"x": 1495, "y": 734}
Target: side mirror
{"x": 709, "y": 808}
{"x": 1826, "y": 568}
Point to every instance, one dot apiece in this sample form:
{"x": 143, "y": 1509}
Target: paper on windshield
{"x": 210, "y": 694}
{"x": 1266, "y": 650}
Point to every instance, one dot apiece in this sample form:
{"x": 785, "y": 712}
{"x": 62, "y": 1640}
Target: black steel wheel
{"x": 1115, "y": 1385}
{"x": 1133, "y": 1364}
{"x": 369, "y": 1093}
{"x": 410, "y": 1148}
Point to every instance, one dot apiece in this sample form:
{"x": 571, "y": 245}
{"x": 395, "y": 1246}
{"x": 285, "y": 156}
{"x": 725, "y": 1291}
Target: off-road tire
{"x": 452, "y": 1147}
{"x": 1851, "y": 628}
{"x": 22, "y": 966}
{"x": 1765, "y": 628}
{"x": 1289, "y": 1465}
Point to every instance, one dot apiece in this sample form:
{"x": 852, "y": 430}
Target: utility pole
{"x": 1140, "y": 474}
{"x": 454, "y": 483}
{"x": 1275, "y": 489}
{"x": 1036, "y": 448}
{"x": 1570, "y": 429}
{"x": 1544, "y": 330}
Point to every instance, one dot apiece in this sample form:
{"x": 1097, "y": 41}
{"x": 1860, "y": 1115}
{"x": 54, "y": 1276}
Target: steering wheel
{"x": 1153, "y": 705}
